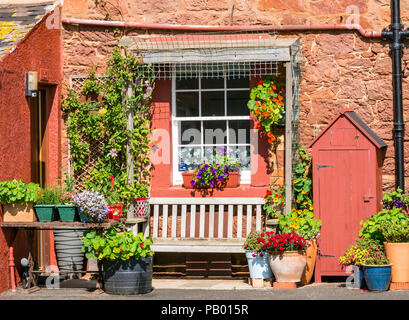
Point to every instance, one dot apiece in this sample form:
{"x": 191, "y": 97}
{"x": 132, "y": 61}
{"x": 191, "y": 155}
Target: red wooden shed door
{"x": 345, "y": 198}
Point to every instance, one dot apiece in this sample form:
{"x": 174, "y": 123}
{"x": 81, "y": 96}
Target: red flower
{"x": 142, "y": 245}
{"x": 260, "y": 83}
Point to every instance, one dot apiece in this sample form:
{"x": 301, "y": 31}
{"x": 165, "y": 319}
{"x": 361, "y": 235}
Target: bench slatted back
{"x": 205, "y": 217}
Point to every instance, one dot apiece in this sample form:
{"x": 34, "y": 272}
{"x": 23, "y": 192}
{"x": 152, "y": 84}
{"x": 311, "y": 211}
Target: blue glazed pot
{"x": 259, "y": 266}
{"x": 377, "y": 278}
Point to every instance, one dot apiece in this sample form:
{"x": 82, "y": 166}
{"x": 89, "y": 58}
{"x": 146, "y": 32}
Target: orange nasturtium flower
{"x": 257, "y": 111}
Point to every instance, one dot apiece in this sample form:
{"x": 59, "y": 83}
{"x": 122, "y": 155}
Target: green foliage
{"x": 115, "y": 243}
{"x": 371, "y": 227}
{"x": 267, "y": 102}
{"x": 302, "y": 222}
{"x": 364, "y": 251}
{"x": 132, "y": 191}
{"x": 251, "y": 243}
{"x": 302, "y": 182}
{"x": 100, "y": 112}
{"x": 18, "y": 192}
{"x": 274, "y": 201}
{"x": 51, "y": 195}
{"x": 395, "y": 231}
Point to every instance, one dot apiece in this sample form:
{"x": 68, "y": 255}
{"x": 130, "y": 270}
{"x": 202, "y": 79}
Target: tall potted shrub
{"x": 126, "y": 259}
{"x": 257, "y": 257}
{"x": 18, "y": 198}
{"x": 287, "y": 256}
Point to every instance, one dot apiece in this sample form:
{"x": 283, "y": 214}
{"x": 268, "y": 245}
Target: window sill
{"x": 244, "y": 190}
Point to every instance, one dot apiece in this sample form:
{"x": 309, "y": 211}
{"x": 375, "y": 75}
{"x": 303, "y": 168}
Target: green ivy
{"x": 100, "y": 112}
{"x": 302, "y": 181}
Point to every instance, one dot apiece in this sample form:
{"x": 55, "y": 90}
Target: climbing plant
{"x": 98, "y": 113}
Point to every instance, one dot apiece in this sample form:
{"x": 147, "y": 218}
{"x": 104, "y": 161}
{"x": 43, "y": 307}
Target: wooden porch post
{"x": 288, "y": 137}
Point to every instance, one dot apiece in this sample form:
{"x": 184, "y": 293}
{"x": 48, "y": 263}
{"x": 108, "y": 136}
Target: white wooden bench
{"x": 206, "y": 225}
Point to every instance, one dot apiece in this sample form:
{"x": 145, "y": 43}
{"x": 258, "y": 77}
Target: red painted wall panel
{"x": 40, "y": 49}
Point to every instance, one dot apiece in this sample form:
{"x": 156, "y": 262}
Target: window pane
{"x": 187, "y": 84}
{"x": 190, "y": 132}
{"x": 239, "y": 131}
{"x": 239, "y": 83}
{"x": 214, "y": 132}
{"x": 187, "y": 104}
{"x": 242, "y": 154}
{"x": 212, "y": 104}
{"x": 188, "y": 157}
{"x": 211, "y": 152}
{"x": 212, "y": 83}
{"x": 237, "y": 103}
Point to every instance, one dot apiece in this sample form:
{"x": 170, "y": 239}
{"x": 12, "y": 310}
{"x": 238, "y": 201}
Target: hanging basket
{"x": 141, "y": 208}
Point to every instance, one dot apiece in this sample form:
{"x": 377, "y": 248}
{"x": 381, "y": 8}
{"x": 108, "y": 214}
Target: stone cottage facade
{"x": 346, "y": 68}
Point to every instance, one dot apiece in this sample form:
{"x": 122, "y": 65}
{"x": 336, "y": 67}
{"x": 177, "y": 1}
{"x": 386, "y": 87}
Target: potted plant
{"x": 66, "y": 209}
{"x": 307, "y": 226}
{"x": 126, "y": 259}
{"x": 114, "y": 201}
{"x": 222, "y": 172}
{"x": 390, "y": 226}
{"x": 257, "y": 257}
{"x": 17, "y": 199}
{"x": 274, "y": 206}
{"x": 287, "y": 256}
{"x": 137, "y": 195}
{"x": 92, "y": 206}
{"x": 45, "y": 205}
{"x": 396, "y": 242}
{"x": 377, "y": 268}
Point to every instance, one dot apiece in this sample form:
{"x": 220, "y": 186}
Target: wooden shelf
{"x": 58, "y": 225}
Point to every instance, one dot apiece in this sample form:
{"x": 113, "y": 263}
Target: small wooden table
{"x": 30, "y": 227}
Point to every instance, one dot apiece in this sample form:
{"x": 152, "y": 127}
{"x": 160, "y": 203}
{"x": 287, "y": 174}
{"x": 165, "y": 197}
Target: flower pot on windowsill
{"x": 233, "y": 181}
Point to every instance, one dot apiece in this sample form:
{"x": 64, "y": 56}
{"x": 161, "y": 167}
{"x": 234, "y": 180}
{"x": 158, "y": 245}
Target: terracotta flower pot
{"x": 233, "y": 181}
{"x": 19, "y": 212}
{"x": 311, "y": 259}
{"x": 398, "y": 254}
{"x": 287, "y": 266}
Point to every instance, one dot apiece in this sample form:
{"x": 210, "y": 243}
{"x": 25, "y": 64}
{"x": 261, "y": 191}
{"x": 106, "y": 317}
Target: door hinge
{"x": 324, "y": 166}
{"x": 325, "y": 255}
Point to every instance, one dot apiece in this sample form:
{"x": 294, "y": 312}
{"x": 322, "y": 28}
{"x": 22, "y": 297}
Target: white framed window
{"x": 208, "y": 114}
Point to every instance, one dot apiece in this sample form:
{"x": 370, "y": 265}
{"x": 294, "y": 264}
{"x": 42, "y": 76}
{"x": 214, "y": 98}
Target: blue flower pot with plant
{"x": 378, "y": 277}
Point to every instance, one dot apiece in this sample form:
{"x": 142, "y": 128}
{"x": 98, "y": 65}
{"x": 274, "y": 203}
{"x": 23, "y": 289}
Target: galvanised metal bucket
{"x": 259, "y": 266}
{"x": 128, "y": 277}
{"x": 68, "y": 248}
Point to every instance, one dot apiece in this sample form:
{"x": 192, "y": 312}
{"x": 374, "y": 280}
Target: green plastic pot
{"x": 68, "y": 213}
{"x": 46, "y": 212}
{"x": 83, "y": 216}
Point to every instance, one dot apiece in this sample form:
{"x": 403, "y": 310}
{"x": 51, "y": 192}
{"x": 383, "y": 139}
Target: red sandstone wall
{"x": 42, "y": 49}
{"x": 341, "y": 69}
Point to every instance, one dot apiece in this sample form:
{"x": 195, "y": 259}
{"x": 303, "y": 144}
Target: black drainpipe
{"x": 397, "y": 35}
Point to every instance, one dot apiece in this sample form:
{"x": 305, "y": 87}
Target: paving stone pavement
{"x": 211, "y": 290}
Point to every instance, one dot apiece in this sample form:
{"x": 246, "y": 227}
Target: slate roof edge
{"x": 27, "y": 35}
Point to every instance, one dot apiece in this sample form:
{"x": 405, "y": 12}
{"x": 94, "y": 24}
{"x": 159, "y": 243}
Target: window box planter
{"x": 233, "y": 181}
{"x": 114, "y": 212}
{"x": 15, "y": 212}
{"x": 67, "y": 213}
{"x": 46, "y": 212}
